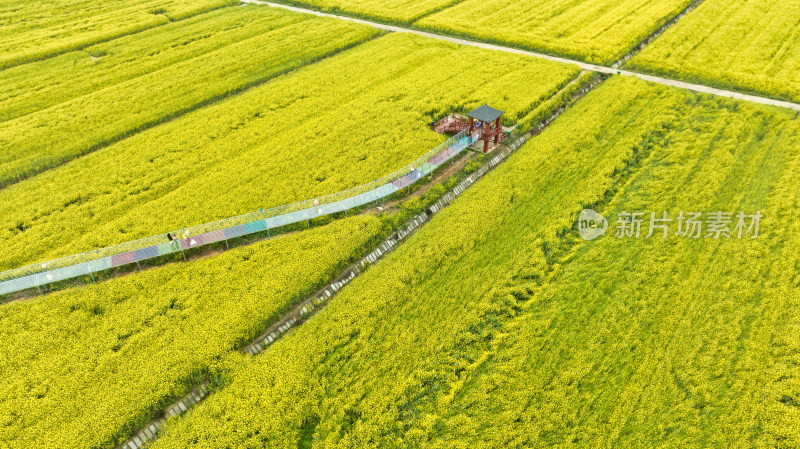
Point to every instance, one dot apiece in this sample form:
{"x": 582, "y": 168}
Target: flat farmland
{"x": 751, "y": 46}
{"x": 323, "y": 128}
{"x": 143, "y": 80}
{"x": 87, "y": 366}
{"x": 497, "y": 326}
{"x": 680, "y": 341}
{"x": 397, "y": 11}
{"x": 39, "y": 85}
{"x": 34, "y": 30}
{"x": 623, "y": 274}
{"x": 599, "y": 32}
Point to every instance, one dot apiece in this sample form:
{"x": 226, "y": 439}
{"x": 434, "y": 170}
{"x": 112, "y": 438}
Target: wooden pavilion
{"x": 487, "y": 116}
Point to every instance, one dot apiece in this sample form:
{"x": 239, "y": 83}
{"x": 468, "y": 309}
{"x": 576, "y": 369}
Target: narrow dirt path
{"x": 585, "y": 66}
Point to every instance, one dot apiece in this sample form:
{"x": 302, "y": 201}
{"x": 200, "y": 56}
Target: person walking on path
{"x": 172, "y": 241}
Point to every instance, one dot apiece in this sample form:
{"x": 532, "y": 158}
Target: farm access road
{"x": 585, "y": 66}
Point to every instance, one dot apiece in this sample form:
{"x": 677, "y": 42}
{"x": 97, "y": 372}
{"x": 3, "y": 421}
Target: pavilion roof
{"x": 485, "y": 113}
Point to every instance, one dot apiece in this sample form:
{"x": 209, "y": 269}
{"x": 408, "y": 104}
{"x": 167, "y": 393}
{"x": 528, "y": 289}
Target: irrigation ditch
{"x": 655, "y": 34}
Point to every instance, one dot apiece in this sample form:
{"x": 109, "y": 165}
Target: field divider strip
{"x": 22, "y": 60}
{"x": 304, "y": 310}
{"x": 658, "y": 32}
{"x": 700, "y": 88}
{"x": 175, "y": 115}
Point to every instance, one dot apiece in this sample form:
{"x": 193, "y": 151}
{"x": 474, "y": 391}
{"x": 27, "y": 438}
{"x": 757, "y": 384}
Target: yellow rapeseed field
{"x": 595, "y": 31}
{"x": 497, "y": 326}
{"x": 87, "y": 366}
{"x": 750, "y": 45}
{"x": 37, "y": 30}
{"x": 329, "y": 126}
{"x": 266, "y": 43}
